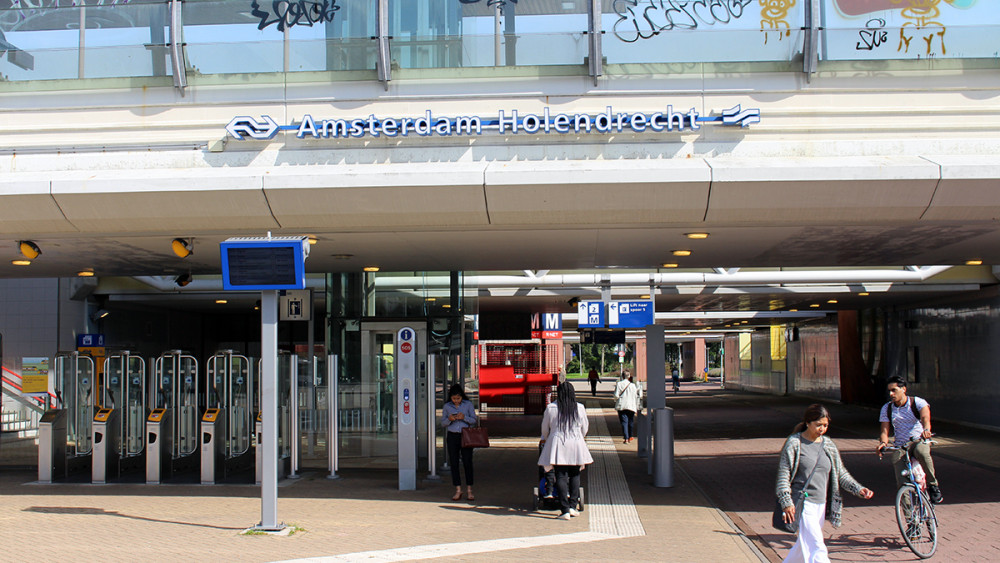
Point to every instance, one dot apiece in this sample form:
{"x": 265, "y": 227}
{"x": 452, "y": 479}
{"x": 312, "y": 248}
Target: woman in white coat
{"x": 564, "y": 426}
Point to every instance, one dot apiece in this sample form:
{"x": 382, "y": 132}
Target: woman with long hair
{"x": 564, "y": 426}
{"x": 810, "y": 477}
{"x": 458, "y": 413}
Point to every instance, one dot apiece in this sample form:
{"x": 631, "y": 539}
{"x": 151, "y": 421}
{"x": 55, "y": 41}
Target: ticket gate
{"x": 65, "y": 442}
{"x": 287, "y": 432}
{"x": 227, "y": 424}
{"x": 172, "y": 426}
{"x": 119, "y": 425}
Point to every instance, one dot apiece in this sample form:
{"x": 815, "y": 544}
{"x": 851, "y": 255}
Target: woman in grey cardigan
{"x": 810, "y": 476}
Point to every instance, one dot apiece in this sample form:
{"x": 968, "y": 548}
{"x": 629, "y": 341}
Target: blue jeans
{"x": 628, "y": 423}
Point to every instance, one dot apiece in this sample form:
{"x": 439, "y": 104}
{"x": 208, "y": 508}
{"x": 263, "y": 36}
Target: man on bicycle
{"x": 909, "y": 430}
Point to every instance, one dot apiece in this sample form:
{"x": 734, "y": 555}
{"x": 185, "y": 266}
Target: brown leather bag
{"x": 475, "y": 437}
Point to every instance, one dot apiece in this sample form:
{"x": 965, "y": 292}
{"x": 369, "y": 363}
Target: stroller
{"x": 545, "y": 496}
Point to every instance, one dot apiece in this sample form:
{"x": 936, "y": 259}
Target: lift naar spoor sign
{"x": 505, "y": 123}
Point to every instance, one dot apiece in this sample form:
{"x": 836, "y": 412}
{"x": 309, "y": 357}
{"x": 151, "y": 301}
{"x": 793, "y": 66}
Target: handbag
{"x": 475, "y": 437}
{"x": 778, "y": 516}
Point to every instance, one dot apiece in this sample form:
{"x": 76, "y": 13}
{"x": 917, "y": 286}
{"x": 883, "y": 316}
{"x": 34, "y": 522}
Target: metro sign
{"x": 547, "y": 326}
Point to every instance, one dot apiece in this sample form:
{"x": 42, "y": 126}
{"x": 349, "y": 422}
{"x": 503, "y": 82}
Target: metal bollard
{"x": 663, "y": 448}
{"x": 642, "y": 433}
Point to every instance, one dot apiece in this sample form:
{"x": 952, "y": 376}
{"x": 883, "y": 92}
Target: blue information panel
{"x": 263, "y": 264}
{"x": 590, "y": 314}
{"x": 630, "y": 314}
{"x": 89, "y": 340}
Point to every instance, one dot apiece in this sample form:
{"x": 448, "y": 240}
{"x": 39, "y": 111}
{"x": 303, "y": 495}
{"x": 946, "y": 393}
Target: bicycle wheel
{"x": 917, "y": 522}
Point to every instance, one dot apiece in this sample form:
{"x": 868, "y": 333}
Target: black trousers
{"x": 456, "y": 452}
{"x": 568, "y": 485}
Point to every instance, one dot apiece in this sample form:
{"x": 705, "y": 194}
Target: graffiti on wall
{"x": 288, "y": 14}
{"x": 918, "y": 28}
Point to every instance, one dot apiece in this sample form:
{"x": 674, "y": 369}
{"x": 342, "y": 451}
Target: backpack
{"x": 888, "y": 412}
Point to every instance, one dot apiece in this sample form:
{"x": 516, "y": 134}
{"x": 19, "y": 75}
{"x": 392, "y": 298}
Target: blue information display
{"x": 630, "y": 314}
{"x": 264, "y": 263}
{"x": 590, "y": 314}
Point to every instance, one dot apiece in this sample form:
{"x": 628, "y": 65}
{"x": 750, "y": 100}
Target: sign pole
{"x": 269, "y": 410}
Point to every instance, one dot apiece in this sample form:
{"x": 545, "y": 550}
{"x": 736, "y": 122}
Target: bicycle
{"x": 914, "y": 510}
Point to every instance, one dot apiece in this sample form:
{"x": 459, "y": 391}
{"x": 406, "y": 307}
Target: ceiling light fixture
{"x": 21, "y": 262}
{"x": 99, "y": 314}
{"x": 863, "y": 293}
{"x": 312, "y": 239}
{"x": 28, "y": 249}
{"x": 182, "y": 247}
{"x": 696, "y": 235}
{"x": 681, "y": 252}
{"x": 221, "y": 301}
{"x": 669, "y": 265}
{"x": 815, "y": 305}
{"x": 85, "y": 273}
{"x": 831, "y": 301}
{"x": 973, "y": 262}
{"x": 341, "y": 256}
{"x": 371, "y": 268}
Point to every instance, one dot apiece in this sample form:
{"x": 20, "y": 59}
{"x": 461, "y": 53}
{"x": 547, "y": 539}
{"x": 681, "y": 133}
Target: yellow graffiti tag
{"x": 773, "y": 14}
{"x": 922, "y": 14}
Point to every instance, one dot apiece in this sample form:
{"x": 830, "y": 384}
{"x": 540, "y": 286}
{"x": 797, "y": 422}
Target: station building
{"x": 453, "y": 157}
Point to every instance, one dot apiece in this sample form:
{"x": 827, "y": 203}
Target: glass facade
{"x": 84, "y": 39}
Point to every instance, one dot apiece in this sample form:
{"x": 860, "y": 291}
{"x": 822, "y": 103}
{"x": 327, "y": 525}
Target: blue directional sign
{"x": 590, "y": 314}
{"x": 630, "y": 314}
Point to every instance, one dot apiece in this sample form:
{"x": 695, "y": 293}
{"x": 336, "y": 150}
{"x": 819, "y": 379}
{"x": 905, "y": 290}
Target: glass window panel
{"x": 672, "y": 31}
{"x": 246, "y": 37}
{"x": 857, "y": 30}
{"x": 120, "y": 39}
{"x": 469, "y": 33}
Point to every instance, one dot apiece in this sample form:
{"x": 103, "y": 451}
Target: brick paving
{"x": 726, "y": 452}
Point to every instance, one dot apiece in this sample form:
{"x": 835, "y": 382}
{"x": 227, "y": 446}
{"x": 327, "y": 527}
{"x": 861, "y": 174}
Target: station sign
{"x": 512, "y": 122}
{"x": 547, "y": 326}
{"x": 630, "y": 314}
{"x": 590, "y": 314}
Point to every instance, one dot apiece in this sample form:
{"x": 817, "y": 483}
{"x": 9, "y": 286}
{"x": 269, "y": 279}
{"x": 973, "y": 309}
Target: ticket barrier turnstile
{"x": 52, "y": 445}
{"x": 159, "y": 445}
{"x": 107, "y": 438}
{"x": 213, "y": 453}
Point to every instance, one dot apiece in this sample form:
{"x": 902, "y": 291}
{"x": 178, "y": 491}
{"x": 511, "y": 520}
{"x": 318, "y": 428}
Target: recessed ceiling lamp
{"x": 814, "y": 305}
{"x": 21, "y": 262}
{"x": 831, "y": 301}
{"x": 99, "y": 314}
{"x": 85, "y": 273}
{"x": 341, "y": 256}
{"x": 221, "y": 301}
{"x": 643, "y": 297}
{"x": 681, "y": 252}
{"x": 28, "y": 249}
{"x": 669, "y": 265}
{"x": 182, "y": 247}
{"x": 792, "y": 310}
{"x": 371, "y": 268}
{"x": 863, "y": 293}
{"x": 973, "y": 262}
{"x": 312, "y": 239}
{"x": 696, "y": 235}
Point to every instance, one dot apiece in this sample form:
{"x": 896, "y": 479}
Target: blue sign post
{"x": 267, "y": 264}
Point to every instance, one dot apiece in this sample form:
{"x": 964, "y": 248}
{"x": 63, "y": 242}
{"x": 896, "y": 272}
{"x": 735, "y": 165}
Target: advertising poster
{"x": 35, "y": 376}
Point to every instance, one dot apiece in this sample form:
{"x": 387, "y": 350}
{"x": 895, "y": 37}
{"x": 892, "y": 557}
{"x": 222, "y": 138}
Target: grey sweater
{"x": 788, "y": 464}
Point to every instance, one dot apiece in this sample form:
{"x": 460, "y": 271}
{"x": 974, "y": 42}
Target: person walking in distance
{"x": 627, "y": 404}
{"x": 594, "y": 379}
{"x": 458, "y": 413}
{"x": 910, "y": 420}
{"x": 810, "y": 477}
{"x": 564, "y": 426}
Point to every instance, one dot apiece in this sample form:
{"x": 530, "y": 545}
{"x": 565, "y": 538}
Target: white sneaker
{"x": 574, "y": 512}
{"x": 565, "y": 516}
